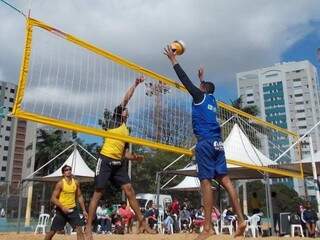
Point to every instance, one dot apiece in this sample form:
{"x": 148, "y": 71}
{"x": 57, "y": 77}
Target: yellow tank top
{"x": 68, "y": 194}
{"x": 114, "y": 148}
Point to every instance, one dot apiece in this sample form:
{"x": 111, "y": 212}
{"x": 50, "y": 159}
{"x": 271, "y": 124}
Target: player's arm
{"x": 131, "y": 90}
{"x": 81, "y": 200}
{"x": 192, "y": 89}
{"x": 133, "y": 156}
{"x": 201, "y": 74}
{"x": 55, "y": 197}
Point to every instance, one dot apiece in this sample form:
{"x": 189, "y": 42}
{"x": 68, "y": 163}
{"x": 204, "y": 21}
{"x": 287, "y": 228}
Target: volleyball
{"x": 178, "y": 47}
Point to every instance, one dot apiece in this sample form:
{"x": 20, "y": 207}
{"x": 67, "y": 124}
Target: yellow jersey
{"x": 114, "y": 148}
{"x": 67, "y": 196}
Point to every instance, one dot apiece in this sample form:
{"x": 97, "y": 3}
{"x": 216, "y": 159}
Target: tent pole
{"x": 270, "y": 203}
{"x": 20, "y": 206}
{"x": 314, "y": 172}
{"x": 158, "y": 179}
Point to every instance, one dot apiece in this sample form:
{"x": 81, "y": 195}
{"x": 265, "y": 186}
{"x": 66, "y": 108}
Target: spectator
{"x": 228, "y": 215}
{"x": 199, "y": 217}
{"x": 186, "y": 203}
{"x": 185, "y": 216}
{"x": 255, "y": 203}
{"x": 168, "y": 220}
{"x": 151, "y": 214}
{"x": 126, "y": 215}
{"x": 103, "y": 219}
{"x": 175, "y": 207}
{"x": 276, "y": 211}
{"x": 310, "y": 217}
{"x": 215, "y": 216}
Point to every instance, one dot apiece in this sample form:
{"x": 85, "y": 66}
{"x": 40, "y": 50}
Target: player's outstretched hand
{"x": 201, "y": 73}
{"x": 170, "y": 54}
{"x": 139, "y": 80}
{"x": 137, "y": 157}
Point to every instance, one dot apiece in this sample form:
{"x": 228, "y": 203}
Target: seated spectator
{"x": 168, "y": 221}
{"x": 104, "y": 219}
{"x": 309, "y": 216}
{"x": 215, "y": 216}
{"x": 126, "y": 215}
{"x": 185, "y": 216}
{"x": 228, "y": 215}
{"x": 118, "y": 224}
{"x": 199, "y": 217}
{"x": 151, "y": 214}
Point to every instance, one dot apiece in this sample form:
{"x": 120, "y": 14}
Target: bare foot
{"x": 240, "y": 229}
{"x": 205, "y": 234}
{"x": 88, "y": 233}
{"x": 144, "y": 228}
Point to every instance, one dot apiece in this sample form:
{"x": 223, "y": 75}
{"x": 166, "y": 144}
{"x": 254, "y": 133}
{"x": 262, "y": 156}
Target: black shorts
{"x": 106, "y": 171}
{"x": 60, "y": 219}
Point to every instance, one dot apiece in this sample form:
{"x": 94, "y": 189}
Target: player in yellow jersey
{"x": 111, "y": 167}
{"x": 64, "y": 196}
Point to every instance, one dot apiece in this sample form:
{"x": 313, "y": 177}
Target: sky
{"x": 224, "y": 36}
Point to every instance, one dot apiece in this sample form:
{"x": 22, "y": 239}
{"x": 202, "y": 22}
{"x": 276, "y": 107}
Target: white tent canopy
{"x": 80, "y": 169}
{"x": 237, "y": 147}
{"x": 187, "y": 184}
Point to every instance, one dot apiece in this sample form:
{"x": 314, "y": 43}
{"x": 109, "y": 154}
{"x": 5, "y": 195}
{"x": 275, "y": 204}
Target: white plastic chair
{"x": 42, "y": 223}
{"x": 294, "y": 227}
{"x": 252, "y": 225}
{"x": 215, "y": 225}
{"x": 226, "y": 225}
{"x": 188, "y": 225}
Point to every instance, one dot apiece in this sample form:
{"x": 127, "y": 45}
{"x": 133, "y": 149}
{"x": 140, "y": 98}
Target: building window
{"x": 298, "y": 95}
{"x": 300, "y": 111}
{"x": 302, "y": 127}
{"x": 9, "y": 119}
{"x": 2, "y": 179}
{"x": 299, "y": 103}
{"x": 8, "y": 128}
{"x": 5, "y": 158}
{"x": 12, "y": 90}
{"x": 6, "y": 138}
{"x": 3, "y": 169}
{"x": 10, "y": 109}
{"x": 301, "y": 119}
{"x": 297, "y": 79}
{"x": 6, "y": 148}
{"x": 250, "y": 102}
{"x": 11, "y": 100}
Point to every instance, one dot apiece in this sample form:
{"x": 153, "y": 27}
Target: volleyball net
{"x": 69, "y": 83}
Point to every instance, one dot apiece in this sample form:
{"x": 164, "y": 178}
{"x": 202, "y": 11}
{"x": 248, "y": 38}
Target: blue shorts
{"x": 210, "y": 159}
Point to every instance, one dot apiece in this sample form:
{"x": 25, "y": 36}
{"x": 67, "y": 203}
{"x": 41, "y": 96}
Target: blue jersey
{"x": 204, "y": 118}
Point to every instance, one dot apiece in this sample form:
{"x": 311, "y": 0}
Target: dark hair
{"x": 117, "y": 115}
{"x": 63, "y": 169}
{"x": 209, "y": 87}
{"x": 123, "y": 202}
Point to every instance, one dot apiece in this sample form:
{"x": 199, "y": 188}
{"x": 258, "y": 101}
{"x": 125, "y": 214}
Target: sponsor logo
{"x": 98, "y": 167}
{"x": 218, "y": 145}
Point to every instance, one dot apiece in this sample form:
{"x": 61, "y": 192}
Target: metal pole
{"x": 158, "y": 179}
{"x": 19, "y": 207}
{"x": 245, "y": 197}
{"x": 314, "y": 172}
{"x": 270, "y": 203}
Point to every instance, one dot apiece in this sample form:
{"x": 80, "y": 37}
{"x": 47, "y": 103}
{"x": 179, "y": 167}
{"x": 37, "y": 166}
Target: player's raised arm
{"x": 192, "y": 89}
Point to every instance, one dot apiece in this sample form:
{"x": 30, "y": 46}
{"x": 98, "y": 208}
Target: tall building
{"x": 17, "y": 141}
{"x": 287, "y": 95}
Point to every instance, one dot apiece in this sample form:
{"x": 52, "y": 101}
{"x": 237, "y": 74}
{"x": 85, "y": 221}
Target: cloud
{"x": 224, "y": 36}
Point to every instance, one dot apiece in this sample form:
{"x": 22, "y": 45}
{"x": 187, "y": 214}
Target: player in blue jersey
{"x": 209, "y": 150}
